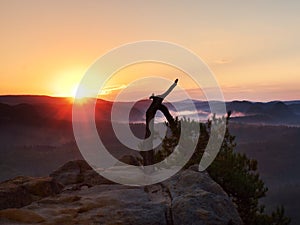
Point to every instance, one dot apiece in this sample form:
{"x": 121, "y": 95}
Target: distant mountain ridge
{"x": 26, "y": 108}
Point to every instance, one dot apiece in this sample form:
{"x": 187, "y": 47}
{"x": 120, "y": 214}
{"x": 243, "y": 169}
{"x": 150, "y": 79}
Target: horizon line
{"x": 99, "y": 98}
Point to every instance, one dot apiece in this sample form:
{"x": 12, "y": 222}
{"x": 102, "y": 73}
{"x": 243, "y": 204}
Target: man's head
{"x": 151, "y": 96}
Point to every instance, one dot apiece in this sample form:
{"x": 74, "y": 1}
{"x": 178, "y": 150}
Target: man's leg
{"x": 167, "y": 114}
{"x": 148, "y": 156}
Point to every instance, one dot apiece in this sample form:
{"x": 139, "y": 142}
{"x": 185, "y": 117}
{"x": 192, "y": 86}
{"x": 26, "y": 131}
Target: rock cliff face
{"x": 75, "y": 194}
{"x": 22, "y": 191}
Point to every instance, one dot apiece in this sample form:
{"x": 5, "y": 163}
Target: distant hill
{"x": 24, "y": 109}
{"x": 273, "y": 113}
{"x": 31, "y": 99}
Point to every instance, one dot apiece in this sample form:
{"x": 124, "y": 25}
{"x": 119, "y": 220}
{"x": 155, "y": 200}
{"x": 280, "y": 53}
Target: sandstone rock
{"x": 42, "y": 186}
{"x": 20, "y": 215}
{"x": 21, "y": 191}
{"x": 13, "y": 195}
{"x": 204, "y": 208}
{"x": 78, "y": 172}
{"x": 187, "y": 181}
{"x": 189, "y": 197}
{"x": 197, "y": 199}
{"x": 70, "y": 172}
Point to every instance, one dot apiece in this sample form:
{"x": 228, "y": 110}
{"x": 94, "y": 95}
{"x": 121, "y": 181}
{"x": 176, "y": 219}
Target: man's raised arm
{"x": 169, "y": 90}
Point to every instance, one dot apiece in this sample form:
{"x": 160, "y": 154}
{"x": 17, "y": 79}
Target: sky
{"x": 252, "y": 47}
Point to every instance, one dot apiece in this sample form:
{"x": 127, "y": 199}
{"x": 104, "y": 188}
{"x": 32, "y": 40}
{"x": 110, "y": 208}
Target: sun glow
{"x": 86, "y": 93}
{"x": 81, "y": 96}
{"x": 65, "y": 85}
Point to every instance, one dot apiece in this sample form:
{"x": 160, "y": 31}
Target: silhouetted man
{"x": 150, "y": 114}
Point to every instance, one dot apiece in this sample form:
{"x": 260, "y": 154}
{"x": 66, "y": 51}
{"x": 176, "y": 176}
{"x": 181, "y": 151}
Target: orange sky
{"x": 252, "y": 47}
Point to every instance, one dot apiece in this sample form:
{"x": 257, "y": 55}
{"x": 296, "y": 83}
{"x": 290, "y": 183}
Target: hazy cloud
{"x": 110, "y": 89}
{"x": 222, "y": 61}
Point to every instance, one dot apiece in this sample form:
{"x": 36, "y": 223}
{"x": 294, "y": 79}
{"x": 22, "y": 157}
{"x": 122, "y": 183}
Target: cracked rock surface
{"x": 84, "y": 197}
